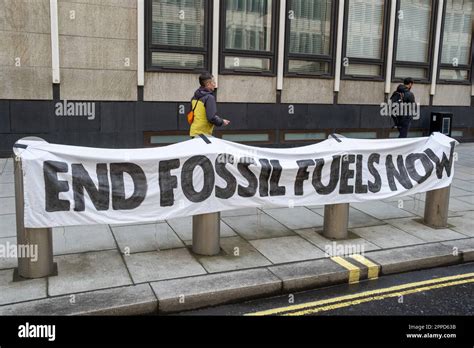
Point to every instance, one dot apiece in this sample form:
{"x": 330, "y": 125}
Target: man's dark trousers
{"x": 403, "y": 126}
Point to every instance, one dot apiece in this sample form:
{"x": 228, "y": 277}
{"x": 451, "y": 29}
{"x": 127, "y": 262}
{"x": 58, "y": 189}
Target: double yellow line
{"x": 367, "y": 296}
{"x": 354, "y": 271}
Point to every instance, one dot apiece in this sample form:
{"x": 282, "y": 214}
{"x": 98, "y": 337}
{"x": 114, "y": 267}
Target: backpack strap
{"x": 194, "y": 107}
{"x": 205, "y": 101}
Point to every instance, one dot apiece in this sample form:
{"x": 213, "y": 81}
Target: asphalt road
{"x": 438, "y": 291}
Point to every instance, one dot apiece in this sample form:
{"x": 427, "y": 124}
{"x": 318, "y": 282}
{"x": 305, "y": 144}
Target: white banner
{"x": 70, "y": 185}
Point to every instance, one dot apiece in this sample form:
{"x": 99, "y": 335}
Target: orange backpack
{"x": 190, "y": 115}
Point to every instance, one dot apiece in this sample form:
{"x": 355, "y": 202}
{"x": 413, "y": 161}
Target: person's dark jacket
{"x": 408, "y": 96}
{"x": 209, "y": 102}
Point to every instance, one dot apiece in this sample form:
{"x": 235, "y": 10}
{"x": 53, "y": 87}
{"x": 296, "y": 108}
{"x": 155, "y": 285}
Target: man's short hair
{"x": 407, "y": 81}
{"x": 204, "y": 77}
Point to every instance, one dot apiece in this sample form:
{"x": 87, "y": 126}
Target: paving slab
{"x": 165, "y": 264}
{"x": 126, "y": 300}
{"x": 8, "y": 168}
{"x": 257, "y": 226}
{"x": 417, "y": 207}
{"x": 464, "y": 246}
{"x": 236, "y": 254}
{"x": 318, "y": 209}
{"x": 88, "y": 271}
{"x": 239, "y": 212}
{"x": 414, "y": 258}
{"x": 426, "y": 233}
{"x": 296, "y": 218}
{"x": 287, "y": 249}
{"x": 332, "y": 247}
{"x": 387, "y": 236}
{"x": 358, "y": 218}
{"x": 463, "y": 169}
{"x": 462, "y": 184}
{"x": 467, "y": 199}
{"x": 8, "y": 262}
{"x": 381, "y": 210}
{"x": 137, "y": 223}
{"x": 459, "y": 192}
{"x": 139, "y": 238}
{"x": 214, "y": 289}
{"x": 463, "y": 176}
{"x": 78, "y": 239}
{"x": 8, "y": 179}
{"x": 459, "y": 206}
{"x": 310, "y": 274}
{"x": 3, "y": 161}
{"x": 184, "y": 228}
{"x": 453, "y": 192}
{"x": 7, "y": 190}
{"x": 463, "y": 224}
{"x": 7, "y": 225}
{"x": 26, "y": 290}
{"x": 7, "y": 205}
{"x": 405, "y": 198}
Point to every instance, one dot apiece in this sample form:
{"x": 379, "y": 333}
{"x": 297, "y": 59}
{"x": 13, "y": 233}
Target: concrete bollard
{"x": 436, "y": 207}
{"x": 36, "y": 262}
{"x": 336, "y": 221}
{"x": 206, "y": 234}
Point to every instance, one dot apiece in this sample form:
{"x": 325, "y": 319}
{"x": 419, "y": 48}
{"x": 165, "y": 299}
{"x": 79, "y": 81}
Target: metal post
{"x": 37, "y": 262}
{"x": 436, "y": 207}
{"x": 206, "y": 234}
{"x": 336, "y": 221}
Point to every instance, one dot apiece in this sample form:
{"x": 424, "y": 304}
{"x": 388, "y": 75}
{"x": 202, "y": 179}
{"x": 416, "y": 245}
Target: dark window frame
{"x": 150, "y": 47}
{"x": 379, "y": 62}
{"x": 429, "y": 65}
{"x": 330, "y": 59}
{"x": 441, "y": 65}
{"x": 272, "y": 54}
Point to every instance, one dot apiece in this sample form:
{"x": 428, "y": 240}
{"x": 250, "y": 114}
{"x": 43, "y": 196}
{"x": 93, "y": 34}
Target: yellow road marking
{"x": 361, "y": 294}
{"x": 378, "y": 298}
{"x": 373, "y": 269}
{"x": 354, "y": 271}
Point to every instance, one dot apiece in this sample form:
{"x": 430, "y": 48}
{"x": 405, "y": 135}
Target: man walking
{"x": 205, "y": 108}
{"x": 406, "y": 99}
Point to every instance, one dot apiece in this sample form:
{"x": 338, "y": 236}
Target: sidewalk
{"x": 149, "y": 268}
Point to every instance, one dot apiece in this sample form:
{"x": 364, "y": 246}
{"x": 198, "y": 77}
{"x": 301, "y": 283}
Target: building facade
{"x": 121, "y": 73}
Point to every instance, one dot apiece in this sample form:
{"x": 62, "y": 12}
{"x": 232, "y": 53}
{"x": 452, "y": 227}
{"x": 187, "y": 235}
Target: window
{"x": 413, "y": 45}
{"x": 456, "y": 41}
{"x": 360, "y": 135}
{"x": 257, "y": 137}
{"x": 164, "y": 138}
{"x": 310, "y": 37}
{"x": 364, "y": 44}
{"x": 248, "y": 40}
{"x": 303, "y": 136}
{"x": 177, "y": 35}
